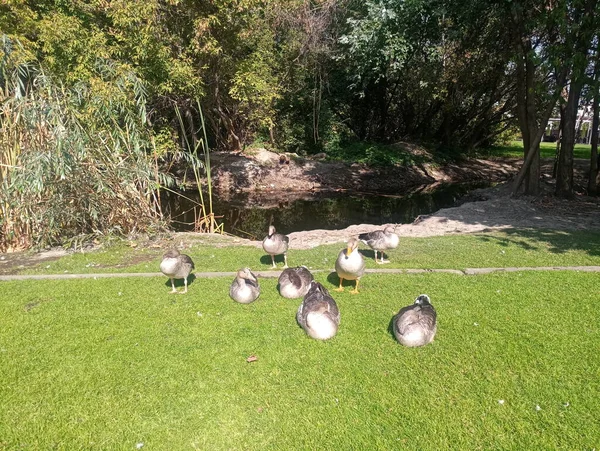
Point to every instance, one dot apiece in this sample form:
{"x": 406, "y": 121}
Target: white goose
{"x": 244, "y": 288}
{"x": 350, "y": 265}
{"x": 295, "y": 282}
{"x": 276, "y": 244}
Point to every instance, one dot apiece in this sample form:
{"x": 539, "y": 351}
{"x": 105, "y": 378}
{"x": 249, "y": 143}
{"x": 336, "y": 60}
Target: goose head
{"x": 315, "y": 286}
{"x": 390, "y": 229}
{"x": 271, "y": 230}
{"x": 246, "y": 274}
{"x": 422, "y": 300}
{"x": 352, "y": 246}
{"x": 173, "y": 253}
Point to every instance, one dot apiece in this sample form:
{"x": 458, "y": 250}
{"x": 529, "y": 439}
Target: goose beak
{"x": 348, "y": 251}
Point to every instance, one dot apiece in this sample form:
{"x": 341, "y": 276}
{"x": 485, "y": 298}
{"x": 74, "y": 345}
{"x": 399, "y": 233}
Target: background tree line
{"x": 313, "y": 76}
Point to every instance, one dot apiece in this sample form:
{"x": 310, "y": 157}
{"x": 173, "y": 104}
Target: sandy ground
{"x": 495, "y": 211}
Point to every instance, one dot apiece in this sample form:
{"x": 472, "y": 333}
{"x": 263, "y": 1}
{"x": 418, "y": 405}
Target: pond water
{"x": 249, "y": 217}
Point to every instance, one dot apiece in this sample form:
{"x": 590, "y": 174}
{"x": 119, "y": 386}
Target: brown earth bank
{"x": 261, "y": 173}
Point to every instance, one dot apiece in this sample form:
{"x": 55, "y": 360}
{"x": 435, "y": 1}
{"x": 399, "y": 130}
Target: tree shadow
{"x": 556, "y": 241}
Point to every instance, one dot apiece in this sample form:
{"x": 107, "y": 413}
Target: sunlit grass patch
{"x": 108, "y": 364}
{"x": 547, "y": 150}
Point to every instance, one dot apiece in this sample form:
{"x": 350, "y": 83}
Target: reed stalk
{"x": 205, "y": 221}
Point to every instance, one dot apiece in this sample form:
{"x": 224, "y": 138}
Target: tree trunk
{"x": 592, "y": 180}
{"x": 558, "y": 140}
{"x": 534, "y": 142}
{"x": 564, "y": 174}
{"x": 582, "y": 43}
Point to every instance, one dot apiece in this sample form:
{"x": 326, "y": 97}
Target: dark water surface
{"x": 250, "y": 218}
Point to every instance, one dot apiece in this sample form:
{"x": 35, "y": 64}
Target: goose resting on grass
{"x": 318, "y": 314}
{"x": 380, "y": 240}
{"x": 176, "y": 265}
{"x": 295, "y": 282}
{"x": 350, "y": 265}
{"x": 276, "y": 244}
{"x": 415, "y": 325}
{"x": 244, "y": 288}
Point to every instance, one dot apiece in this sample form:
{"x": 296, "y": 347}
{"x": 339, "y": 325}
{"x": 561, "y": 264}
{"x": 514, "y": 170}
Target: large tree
{"x": 581, "y": 25}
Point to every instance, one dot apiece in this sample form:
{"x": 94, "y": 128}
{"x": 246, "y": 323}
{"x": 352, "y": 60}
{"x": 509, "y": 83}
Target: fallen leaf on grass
{"x": 252, "y": 358}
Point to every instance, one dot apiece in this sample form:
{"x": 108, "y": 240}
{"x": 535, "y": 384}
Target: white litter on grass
{"x": 566, "y": 404}
{"x": 538, "y": 408}
{"x": 199, "y": 313}
{"x": 501, "y": 401}
{"x": 475, "y": 324}
{"x": 120, "y": 294}
{"x": 139, "y": 445}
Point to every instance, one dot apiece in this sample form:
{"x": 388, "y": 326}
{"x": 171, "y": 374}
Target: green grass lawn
{"x": 547, "y": 150}
{"x": 112, "y": 363}
{"x": 498, "y": 249}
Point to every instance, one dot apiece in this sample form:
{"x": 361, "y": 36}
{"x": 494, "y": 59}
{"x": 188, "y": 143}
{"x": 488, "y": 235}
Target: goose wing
{"x": 318, "y": 300}
{"x": 372, "y": 238}
{"x": 186, "y": 259}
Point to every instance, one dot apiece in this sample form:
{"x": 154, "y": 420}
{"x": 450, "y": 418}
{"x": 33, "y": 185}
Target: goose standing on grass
{"x": 176, "y": 265}
{"x": 276, "y": 244}
{"x": 381, "y": 240}
{"x": 350, "y": 265}
{"x": 415, "y": 325}
{"x": 244, "y": 288}
{"x": 295, "y": 282}
{"x": 318, "y": 314}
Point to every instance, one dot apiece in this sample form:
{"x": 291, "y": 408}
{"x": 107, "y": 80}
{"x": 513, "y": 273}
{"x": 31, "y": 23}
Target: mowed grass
{"x": 116, "y": 363}
{"x": 512, "y": 248}
{"x": 547, "y": 150}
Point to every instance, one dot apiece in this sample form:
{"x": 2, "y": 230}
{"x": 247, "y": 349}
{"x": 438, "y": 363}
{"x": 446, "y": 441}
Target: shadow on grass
{"x": 334, "y": 280}
{"x": 179, "y": 283}
{"x": 557, "y": 241}
{"x": 370, "y": 255}
{"x": 391, "y": 327}
{"x": 266, "y": 260}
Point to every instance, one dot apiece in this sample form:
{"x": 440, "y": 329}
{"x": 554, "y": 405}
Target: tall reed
{"x": 205, "y": 221}
{"x": 74, "y": 161}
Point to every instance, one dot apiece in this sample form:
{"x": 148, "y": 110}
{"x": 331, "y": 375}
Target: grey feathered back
{"x": 416, "y": 324}
{"x": 318, "y": 314}
{"x": 295, "y": 282}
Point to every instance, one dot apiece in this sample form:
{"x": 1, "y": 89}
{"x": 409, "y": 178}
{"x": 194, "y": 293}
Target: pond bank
{"x": 265, "y": 174}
